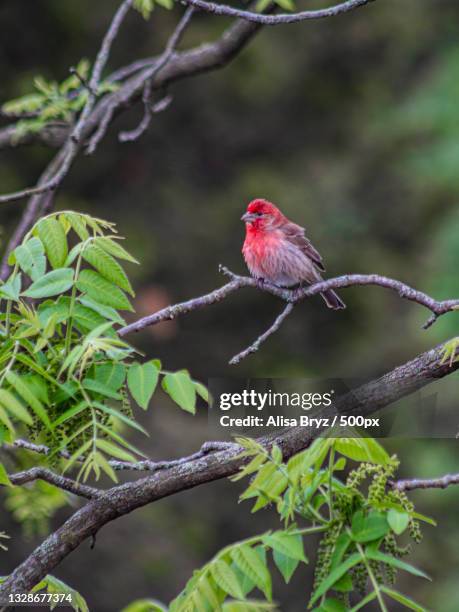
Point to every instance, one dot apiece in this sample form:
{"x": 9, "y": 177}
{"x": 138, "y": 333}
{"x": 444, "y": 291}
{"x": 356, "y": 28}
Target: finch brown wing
{"x": 295, "y": 234}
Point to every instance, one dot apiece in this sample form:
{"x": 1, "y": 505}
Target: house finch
{"x": 276, "y": 250}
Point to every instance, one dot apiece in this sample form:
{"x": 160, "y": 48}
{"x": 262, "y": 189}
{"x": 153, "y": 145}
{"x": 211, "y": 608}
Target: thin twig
{"x": 164, "y": 58}
{"x": 73, "y": 142}
{"x": 64, "y": 483}
{"x": 426, "y": 483}
{"x": 259, "y": 341}
{"x": 271, "y": 20}
{"x": 140, "y": 466}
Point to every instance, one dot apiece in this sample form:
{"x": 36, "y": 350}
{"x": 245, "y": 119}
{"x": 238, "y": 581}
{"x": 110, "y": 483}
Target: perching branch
{"x": 120, "y": 500}
{"x": 292, "y": 297}
{"x": 67, "y": 484}
{"x": 271, "y": 20}
{"x": 426, "y": 483}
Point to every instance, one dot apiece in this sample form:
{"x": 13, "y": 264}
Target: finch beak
{"x": 247, "y": 217}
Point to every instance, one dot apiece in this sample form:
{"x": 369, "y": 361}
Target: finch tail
{"x": 333, "y": 300}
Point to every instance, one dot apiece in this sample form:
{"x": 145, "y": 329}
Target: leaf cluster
{"x": 65, "y": 375}
{"x": 52, "y": 102}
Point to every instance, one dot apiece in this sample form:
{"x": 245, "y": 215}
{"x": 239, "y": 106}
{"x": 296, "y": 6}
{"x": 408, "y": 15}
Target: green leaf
{"x": 14, "y": 407}
{"x": 77, "y": 223}
{"x": 144, "y": 7}
{"x": 331, "y": 605}
{"x": 341, "y": 546}
{"x": 110, "y": 374}
{"x": 250, "y": 563}
{"x": 102, "y": 291}
{"x": 107, "y": 266}
{"x": 286, "y": 565}
{"x": 248, "y": 605}
{"x": 31, "y": 258}
{"x": 4, "y": 478}
{"x": 366, "y": 528}
{"x": 201, "y": 390}
{"x": 98, "y": 387}
{"x": 27, "y": 393}
{"x": 376, "y": 555}
{"x": 335, "y": 575}
{"x": 398, "y": 521}
{"x": 405, "y": 601}
{"x": 289, "y": 544}
{"x": 180, "y": 387}
{"x": 226, "y": 579}
{"x": 362, "y": 449}
{"x": 53, "y": 283}
{"x": 287, "y": 5}
{"x": 145, "y": 605}
{"x": 53, "y": 237}
{"x": 142, "y": 380}
{"x": 114, "y": 248}
{"x": 122, "y": 417}
{"x": 70, "y": 413}
{"x": 12, "y": 288}
{"x": 87, "y": 318}
{"x": 105, "y": 311}
{"x": 114, "y": 450}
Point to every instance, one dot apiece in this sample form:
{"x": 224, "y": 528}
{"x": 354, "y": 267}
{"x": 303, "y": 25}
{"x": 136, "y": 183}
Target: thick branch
{"x": 426, "y": 483}
{"x": 271, "y": 20}
{"x": 125, "y": 498}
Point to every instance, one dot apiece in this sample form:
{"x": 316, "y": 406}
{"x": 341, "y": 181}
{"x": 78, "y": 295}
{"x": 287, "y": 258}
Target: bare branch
{"x": 164, "y": 58}
{"x": 122, "y": 499}
{"x": 291, "y": 296}
{"x": 426, "y": 483}
{"x": 271, "y": 20}
{"x": 73, "y": 142}
{"x": 259, "y": 341}
{"x": 139, "y": 466}
{"x": 67, "y": 484}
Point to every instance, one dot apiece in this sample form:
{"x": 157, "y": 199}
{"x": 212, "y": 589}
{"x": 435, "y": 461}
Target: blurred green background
{"x": 351, "y": 126}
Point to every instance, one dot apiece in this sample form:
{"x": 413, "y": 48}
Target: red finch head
{"x": 277, "y": 250}
{"x": 262, "y": 216}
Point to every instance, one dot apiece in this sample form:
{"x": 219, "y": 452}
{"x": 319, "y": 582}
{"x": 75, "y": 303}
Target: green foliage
{"x": 64, "y": 372}
{"x": 34, "y": 505}
{"x": 359, "y": 518}
{"x": 53, "y": 102}
{"x": 449, "y": 351}
{"x": 145, "y": 7}
{"x": 53, "y": 586}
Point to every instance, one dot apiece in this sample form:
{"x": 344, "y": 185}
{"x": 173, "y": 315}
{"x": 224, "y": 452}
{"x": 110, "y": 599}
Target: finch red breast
{"x": 276, "y": 250}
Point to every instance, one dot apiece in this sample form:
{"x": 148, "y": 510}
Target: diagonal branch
{"x": 120, "y": 500}
{"x": 271, "y": 20}
{"x": 426, "y": 483}
{"x": 253, "y": 348}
